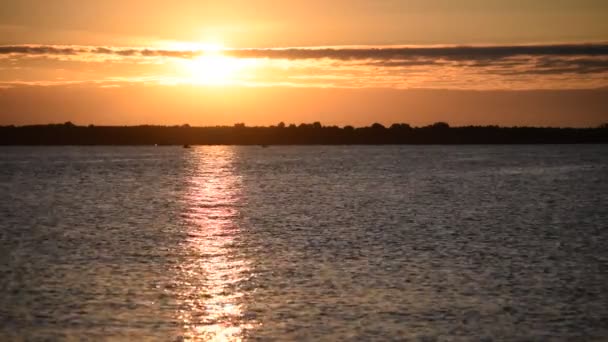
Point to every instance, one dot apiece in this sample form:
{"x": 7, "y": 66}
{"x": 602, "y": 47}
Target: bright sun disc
{"x": 214, "y": 68}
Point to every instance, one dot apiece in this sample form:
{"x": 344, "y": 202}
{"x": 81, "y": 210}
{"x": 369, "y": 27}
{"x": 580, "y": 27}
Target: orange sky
{"x": 338, "y": 62}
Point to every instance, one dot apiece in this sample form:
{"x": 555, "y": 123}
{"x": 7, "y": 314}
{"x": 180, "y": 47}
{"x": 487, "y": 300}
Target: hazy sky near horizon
{"x": 321, "y": 56}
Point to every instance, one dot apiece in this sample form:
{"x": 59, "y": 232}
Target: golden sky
{"x": 339, "y": 62}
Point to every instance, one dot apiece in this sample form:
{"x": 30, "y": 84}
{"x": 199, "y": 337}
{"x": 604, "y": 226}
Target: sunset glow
{"x": 365, "y": 50}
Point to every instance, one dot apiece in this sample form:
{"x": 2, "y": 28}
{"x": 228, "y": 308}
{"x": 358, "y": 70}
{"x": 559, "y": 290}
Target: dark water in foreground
{"x": 318, "y": 243}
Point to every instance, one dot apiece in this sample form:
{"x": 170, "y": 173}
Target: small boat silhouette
{"x": 186, "y": 146}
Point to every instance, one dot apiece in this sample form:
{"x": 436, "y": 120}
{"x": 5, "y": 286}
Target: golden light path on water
{"x": 213, "y": 302}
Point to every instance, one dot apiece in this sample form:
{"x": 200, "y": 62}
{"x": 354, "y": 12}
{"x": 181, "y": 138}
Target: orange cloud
{"x": 562, "y": 66}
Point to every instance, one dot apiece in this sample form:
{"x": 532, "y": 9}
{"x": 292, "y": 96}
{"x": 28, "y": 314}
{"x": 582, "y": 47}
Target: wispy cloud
{"x": 338, "y": 52}
{"x": 60, "y": 50}
{"x": 408, "y": 52}
{"x": 505, "y": 66}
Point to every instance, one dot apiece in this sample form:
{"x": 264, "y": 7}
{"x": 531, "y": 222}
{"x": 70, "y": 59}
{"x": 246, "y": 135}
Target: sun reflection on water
{"x": 211, "y": 291}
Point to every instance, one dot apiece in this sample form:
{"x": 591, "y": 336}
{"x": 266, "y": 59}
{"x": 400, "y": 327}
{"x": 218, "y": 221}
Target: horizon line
{"x": 314, "y": 124}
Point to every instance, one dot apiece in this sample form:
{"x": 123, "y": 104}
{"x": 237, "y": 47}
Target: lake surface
{"x": 304, "y": 243}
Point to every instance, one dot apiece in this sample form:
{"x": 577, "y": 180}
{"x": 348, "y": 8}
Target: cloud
{"x": 457, "y": 53}
{"x": 57, "y": 50}
{"x": 40, "y": 50}
{"x": 541, "y": 59}
{"x": 456, "y": 67}
{"x": 339, "y": 53}
{"x": 577, "y": 65}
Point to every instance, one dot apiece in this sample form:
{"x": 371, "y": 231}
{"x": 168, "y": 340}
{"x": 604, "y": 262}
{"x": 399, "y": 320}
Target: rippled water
{"x": 308, "y": 243}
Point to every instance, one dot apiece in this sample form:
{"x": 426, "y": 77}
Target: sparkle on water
{"x": 214, "y": 302}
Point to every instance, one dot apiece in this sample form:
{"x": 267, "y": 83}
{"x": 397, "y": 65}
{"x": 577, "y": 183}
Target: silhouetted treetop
{"x": 400, "y": 126}
{"x": 440, "y": 125}
{"x": 377, "y": 126}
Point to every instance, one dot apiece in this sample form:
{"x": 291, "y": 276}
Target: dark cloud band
{"x": 589, "y": 58}
{"x": 451, "y": 52}
{"x": 376, "y": 53}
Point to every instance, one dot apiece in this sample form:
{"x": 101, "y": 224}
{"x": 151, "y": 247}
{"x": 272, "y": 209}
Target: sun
{"x": 212, "y": 67}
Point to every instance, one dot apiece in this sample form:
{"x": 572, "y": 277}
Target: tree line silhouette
{"x": 282, "y": 134}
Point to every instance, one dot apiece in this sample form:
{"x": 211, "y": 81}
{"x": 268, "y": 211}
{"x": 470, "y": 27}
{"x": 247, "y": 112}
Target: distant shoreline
{"x": 304, "y": 134}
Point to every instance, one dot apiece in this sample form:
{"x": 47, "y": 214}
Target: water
{"x": 304, "y": 243}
